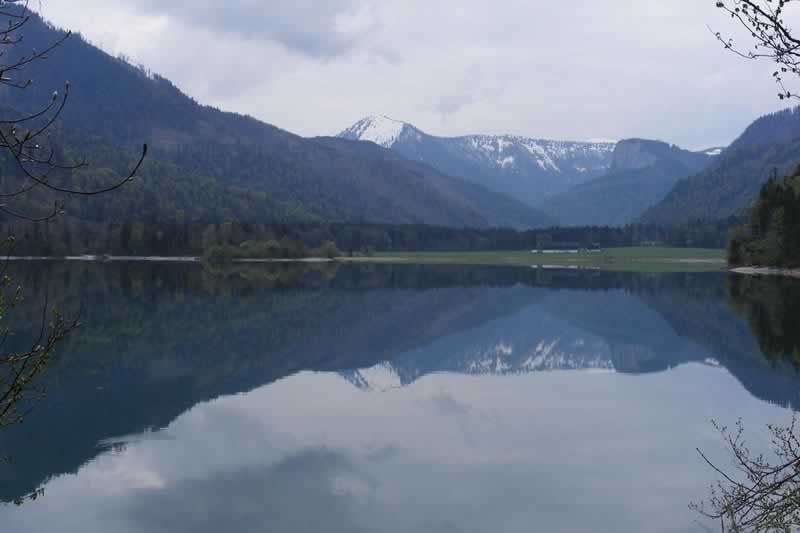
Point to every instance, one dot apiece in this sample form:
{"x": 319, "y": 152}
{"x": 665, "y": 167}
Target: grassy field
{"x": 645, "y": 259}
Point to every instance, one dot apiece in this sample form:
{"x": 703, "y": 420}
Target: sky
{"x": 577, "y": 70}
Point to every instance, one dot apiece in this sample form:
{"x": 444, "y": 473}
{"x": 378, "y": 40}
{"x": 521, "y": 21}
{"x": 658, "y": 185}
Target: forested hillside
{"x": 208, "y": 165}
{"x": 729, "y": 185}
{"x": 771, "y": 236}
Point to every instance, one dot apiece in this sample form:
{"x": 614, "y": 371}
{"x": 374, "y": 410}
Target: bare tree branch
{"x": 761, "y": 494}
{"x": 771, "y": 37}
{"x": 33, "y": 164}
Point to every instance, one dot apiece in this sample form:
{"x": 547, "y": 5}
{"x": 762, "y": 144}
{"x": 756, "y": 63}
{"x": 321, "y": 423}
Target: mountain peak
{"x": 524, "y": 167}
{"x": 380, "y": 129}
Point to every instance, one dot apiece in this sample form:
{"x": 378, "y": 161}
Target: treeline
{"x": 771, "y": 235}
{"x": 285, "y": 248}
{"x": 68, "y": 236}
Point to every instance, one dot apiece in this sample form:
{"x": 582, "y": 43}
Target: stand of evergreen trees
{"x": 771, "y": 235}
{"x": 69, "y": 236}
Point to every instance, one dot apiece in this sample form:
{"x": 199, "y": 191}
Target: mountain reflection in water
{"x": 390, "y": 398}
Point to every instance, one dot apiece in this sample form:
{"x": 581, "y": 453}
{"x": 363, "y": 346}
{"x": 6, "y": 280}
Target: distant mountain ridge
{"x": 641, "y": 173}
{"x": 528, "y": 168}
{"x": 771, "y": 144}
{"x": 636, "y": 154}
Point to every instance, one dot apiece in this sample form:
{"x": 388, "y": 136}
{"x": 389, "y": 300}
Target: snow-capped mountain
{"x": 379, "y": 129}
{"x": 553, "y": 334}
{"x": 528, "y": 168}
{"x": 379, "y": 378}
{"x": 500, "y": 359}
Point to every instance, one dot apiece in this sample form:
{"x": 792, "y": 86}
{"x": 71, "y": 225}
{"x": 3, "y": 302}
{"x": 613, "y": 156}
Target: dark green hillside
{"x": 116, "y": 100}
{"x": 729, "y": 185}
{"x": 246, "y": 170}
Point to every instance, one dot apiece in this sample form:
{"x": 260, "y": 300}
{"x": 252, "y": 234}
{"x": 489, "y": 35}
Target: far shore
{"x": 767, "y": 271}
{"x": 103, "y": 258}
{"x": 637, "y": 259}
{"x": 155, "y": 259}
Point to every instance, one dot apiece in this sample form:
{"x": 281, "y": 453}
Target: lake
{"x": 383, "y": 398}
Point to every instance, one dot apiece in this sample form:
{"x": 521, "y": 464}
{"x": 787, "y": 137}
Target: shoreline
{"x": 155, "y": 259}
{"x": 638, "y": 259}
{"x": 104, "y": 258}
{"x": 767, "y": 271}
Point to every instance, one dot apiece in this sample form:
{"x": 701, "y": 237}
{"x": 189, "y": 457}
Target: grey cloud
{"x": 452, "y": 103}
{"x": 445, "y": 403}
{"x": 569, "y": 70}
{"x": 296, "y": 494}
{"x": 475, "y": 86}
{"x": 311, "y": 490}
{"x": 310, "y": 27}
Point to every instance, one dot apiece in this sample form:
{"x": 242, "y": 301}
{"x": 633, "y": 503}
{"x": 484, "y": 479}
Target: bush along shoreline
{"x": 285, "y": 249}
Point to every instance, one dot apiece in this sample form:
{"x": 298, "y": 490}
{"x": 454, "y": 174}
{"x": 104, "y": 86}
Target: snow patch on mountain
{"x": 539, "y": 357}
{"x": 507, "y": 153}
{"x": 501, "y": 356}
{"x": 380, "y": 129}
{"x": 492, "y": 360}
{"x": 379, "y": 378}
{"x": 547, "y": 356}
{"x": 507, "y": 161}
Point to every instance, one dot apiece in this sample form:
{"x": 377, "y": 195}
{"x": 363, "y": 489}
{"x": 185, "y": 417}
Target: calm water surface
{"x": 391, "y": 399}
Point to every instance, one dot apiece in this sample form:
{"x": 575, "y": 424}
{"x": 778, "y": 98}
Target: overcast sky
{"x": 558, "y": 69}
